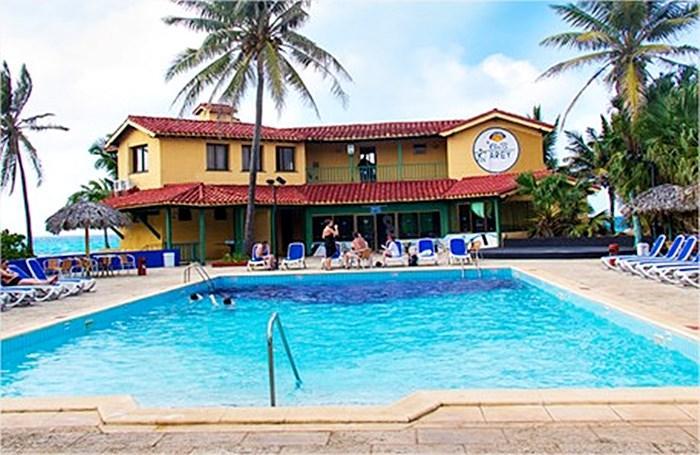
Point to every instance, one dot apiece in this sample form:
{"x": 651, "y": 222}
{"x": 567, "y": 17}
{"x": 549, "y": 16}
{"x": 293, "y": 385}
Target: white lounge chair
{"x": 426, "y": 252}
{"x": 296, "y": 256}
{"x": 399, "y": 260}
{"x": 255, "y": 262}
{"x": 629, "y": 264}
{"x": 13, "y": 296}
{"x": 682, "y": 254}
{"x": 75, "y": 285}
{"x": 43, "y": 291}
{"x": 613, "y": 262}
{"x": 458, "y": 253}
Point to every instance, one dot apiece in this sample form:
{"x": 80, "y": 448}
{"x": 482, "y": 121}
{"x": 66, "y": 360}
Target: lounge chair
{"x": 399, "y": 260}
{"x": 255, "y": 262}
{"x": 690, "y": 276}
{"x": 652, "y": 269}
{"x": 613, "y": 262}
{"x": 76, "y": 285}
{"x": 628, "y": 265}
{"x": 458, "y": 253}
{"x": 681, "y": 254}
{"x": 43, "y": 291}
{"x": 12, "y": 296}
{"x": 426, "y": 252}
{"x": 667, "y": 273}
{"x": 296, "y": 256}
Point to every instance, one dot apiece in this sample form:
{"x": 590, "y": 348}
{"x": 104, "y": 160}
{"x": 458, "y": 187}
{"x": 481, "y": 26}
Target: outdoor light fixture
{"x": 270, "y": 182}
{"x": 281, "y": 180}
{"x": 351, "y": 149}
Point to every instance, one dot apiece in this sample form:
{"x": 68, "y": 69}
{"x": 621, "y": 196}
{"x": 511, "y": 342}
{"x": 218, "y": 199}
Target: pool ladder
{"x": 202, "y": 272}
{"x": 275, "y": 320}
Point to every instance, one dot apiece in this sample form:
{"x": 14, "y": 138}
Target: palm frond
{"x": 33, "y": 158}
{"x": 596, "y": 57}
{"x": 595, "y": 76}
{"x": 275, "y": 77}
{"x": 577, "y": 16}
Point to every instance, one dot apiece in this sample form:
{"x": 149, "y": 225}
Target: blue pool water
{"x": 357, "y": 339}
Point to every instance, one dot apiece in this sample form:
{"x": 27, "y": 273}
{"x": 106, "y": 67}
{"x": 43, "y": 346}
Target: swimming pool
{"x": 357, "y": 338}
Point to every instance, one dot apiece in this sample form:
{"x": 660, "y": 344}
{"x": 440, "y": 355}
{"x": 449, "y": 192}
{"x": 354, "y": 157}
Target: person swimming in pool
{"x": 10, "y": 278}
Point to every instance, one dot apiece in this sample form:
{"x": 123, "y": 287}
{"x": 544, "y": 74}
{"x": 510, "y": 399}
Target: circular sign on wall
{"x": 496, "y": 150}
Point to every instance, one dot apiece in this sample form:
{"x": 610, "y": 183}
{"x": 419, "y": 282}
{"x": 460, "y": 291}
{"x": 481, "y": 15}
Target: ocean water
{"x": 68, "y": 244}
{"x": 357, "y": 339}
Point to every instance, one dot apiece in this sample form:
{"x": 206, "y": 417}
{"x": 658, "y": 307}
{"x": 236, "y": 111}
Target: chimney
{"x": 215, "y": 112}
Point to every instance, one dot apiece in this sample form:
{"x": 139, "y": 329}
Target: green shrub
{"x": 13, "y": 246}
{"x": 235, "y": 257}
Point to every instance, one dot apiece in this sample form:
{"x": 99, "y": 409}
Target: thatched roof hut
{"x": 666, "y": 199}
{"x": 85, "y": 215}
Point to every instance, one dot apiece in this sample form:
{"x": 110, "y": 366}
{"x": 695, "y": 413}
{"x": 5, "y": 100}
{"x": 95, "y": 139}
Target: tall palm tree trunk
{"x": 254, "y": 160}
{"x": 25, "y": 196}
{"x": 611, "y": 202}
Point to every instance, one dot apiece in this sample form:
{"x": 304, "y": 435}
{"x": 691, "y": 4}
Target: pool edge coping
{"x": 590, "y": 294}
{"x": 123, "y": 410}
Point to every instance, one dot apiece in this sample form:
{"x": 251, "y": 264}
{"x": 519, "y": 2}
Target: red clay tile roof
{"x": 165, "y": 126}
{"x": 383, "y": 130}
{"x": 199, "y": 194}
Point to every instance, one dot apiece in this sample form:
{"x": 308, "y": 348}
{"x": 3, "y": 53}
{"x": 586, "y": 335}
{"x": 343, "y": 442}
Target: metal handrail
{"x": 201, "y": 271}
{"x": 275, "y": 318}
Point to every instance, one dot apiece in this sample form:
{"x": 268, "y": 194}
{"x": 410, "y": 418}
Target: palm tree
{"x": 622, "y": 39}
{"x": 549, "y": 140}
{"x": 590, "y": 160}
{"x": 14, "y": 143}
{"x": 94, "y": 191}
{"x": 105, "y": 160}
{"x": 251, "y": 44}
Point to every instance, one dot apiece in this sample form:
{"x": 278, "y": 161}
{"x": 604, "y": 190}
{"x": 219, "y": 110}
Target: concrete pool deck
{"x": 554, "y": 421}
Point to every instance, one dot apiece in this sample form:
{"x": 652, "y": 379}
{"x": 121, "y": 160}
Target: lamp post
{"x": 274, "y": 184}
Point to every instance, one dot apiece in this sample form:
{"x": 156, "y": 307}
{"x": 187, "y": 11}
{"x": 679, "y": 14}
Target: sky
{"x": 95, "y": 62}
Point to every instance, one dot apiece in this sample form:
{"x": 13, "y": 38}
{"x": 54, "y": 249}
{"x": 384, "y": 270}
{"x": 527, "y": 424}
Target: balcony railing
{"x": 378, "y": 173}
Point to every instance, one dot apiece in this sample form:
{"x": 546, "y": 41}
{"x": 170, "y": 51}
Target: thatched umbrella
{"x": 664, "y": 199}
{"x": 85, "y": 215}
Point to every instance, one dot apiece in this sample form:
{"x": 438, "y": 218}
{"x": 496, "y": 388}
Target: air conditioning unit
{"x": 122, "y": 185}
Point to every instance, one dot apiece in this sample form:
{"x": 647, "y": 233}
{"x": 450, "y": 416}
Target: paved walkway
{"x": 644, "y": 429}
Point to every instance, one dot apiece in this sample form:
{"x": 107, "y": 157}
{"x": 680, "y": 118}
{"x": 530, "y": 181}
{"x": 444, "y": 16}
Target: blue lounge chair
{"x": 296, "y": 256}
{"x": 43, "y": 291}
{"x": 667, "y": 273}
{"x": 458, "y": 251}
{"x": 613, "y": 262}
{"x": 690, "y": 277}
{"x": 255, "y": 262}
{"x": 650, "y": 269}
{"x": 628, "y": 265}
{"x": 76, "y": 285}
{"x": 681, "y": 253}
{"x": 426, "y": 252}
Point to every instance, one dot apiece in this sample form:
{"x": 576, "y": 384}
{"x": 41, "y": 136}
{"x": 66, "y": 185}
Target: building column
{"x": 399, "y": 161}
{"x": 308, "y": 230}
{"x": 202, "y": 237}
{"x": 168, "y": 227}
{"x": 497, "y": 213}
{"x": 444, "y": 219}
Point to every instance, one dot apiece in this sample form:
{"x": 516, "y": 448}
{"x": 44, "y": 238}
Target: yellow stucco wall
{"x": 460, "y": 156}
{"x": 335, "y": 155}
{"x": 185, "y": 160}
{"x": 144, "y": 180}
{"x": 138, "y": 237}
{"x": 262, "y": 224}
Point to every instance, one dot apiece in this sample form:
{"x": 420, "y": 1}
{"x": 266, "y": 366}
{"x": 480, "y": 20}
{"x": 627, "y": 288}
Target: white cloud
{"x": 104, "y": 63}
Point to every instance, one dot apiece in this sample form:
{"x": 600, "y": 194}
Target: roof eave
{"x": 126, "y": 124}
{"x": 540, "y": 126}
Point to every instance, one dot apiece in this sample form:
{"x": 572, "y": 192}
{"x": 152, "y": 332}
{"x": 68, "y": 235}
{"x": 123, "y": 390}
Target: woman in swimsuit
{"x": 330, "y": 232}
{"x": 10, "y": 278}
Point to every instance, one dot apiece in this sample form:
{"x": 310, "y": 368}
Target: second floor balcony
{"x": 376, "y": 173}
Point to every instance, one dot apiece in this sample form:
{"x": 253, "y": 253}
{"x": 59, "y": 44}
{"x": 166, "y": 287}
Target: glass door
{"x": 367, "y": 166}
